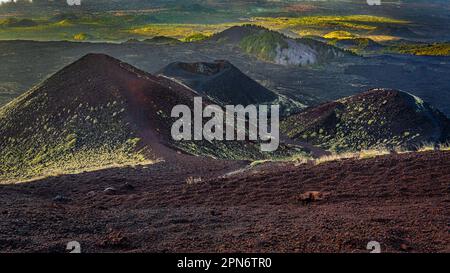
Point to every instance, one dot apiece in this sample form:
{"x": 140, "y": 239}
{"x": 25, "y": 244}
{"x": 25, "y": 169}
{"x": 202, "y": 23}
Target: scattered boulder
{"x": 214, "y": 212}
{"x": 61, "y": 199}
{"x": 115, "y": 239}
{"x": 127, "y": 187}
{"x": 91, "y": 193}
{"x": 311, "y": 196}
{"x": 110, "y": 191}
{"x": 405, "y": 247}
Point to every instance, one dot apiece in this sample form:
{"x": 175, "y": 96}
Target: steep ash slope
{"x": 375, "y": 119}
{"x": 97, "y": 112}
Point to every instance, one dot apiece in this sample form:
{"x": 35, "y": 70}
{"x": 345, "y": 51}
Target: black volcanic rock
{"x": 221, "y": 81}
{"x": 379, "y": 118}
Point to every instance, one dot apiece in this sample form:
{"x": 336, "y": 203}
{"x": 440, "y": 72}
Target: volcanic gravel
{"x": 401, "y": 201}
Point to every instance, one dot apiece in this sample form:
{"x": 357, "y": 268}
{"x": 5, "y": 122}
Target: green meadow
{"x": 189, "y": 26}
{"x": 118, "y": 27}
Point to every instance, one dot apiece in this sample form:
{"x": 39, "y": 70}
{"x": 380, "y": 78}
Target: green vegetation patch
{"x": 74, "y": 138}
{"x": 339, "y": 35}
{"x": 352, "y": 22}
{"x": 435, "y": 49}
{"x": 373, "y": 122}
{"x": 264, "y": 45}
{"x": 196, "y": 37}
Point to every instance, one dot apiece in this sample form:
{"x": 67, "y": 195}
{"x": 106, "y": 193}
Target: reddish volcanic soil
{"x": 401, "y": 201}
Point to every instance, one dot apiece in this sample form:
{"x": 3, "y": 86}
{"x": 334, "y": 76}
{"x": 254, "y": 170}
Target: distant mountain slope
{"x": 357, "y": 44}
{"x": 157, "y": 40}
{"x": 377, "y": 118}
{"x": 275, "y": 47}
{"x": 95, "y": 112}
{"x": 396, "y": 31}
{"x": 14, "y": 22}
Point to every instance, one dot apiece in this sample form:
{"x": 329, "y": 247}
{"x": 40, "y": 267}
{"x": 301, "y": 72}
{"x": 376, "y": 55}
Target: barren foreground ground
{"x": 401, "y": 201}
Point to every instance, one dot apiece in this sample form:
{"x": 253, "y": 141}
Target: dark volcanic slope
{"x": 396, "y": 31}
{"x": 235, "y": 34}
{"x": 401, "y": 201}
{"x": 94, "y": 108}
{"x": 377, "y": 118}
{"x": 97, "y": 104}
{"x": 221, "y": 81}
{"x": 361, "y": 44}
